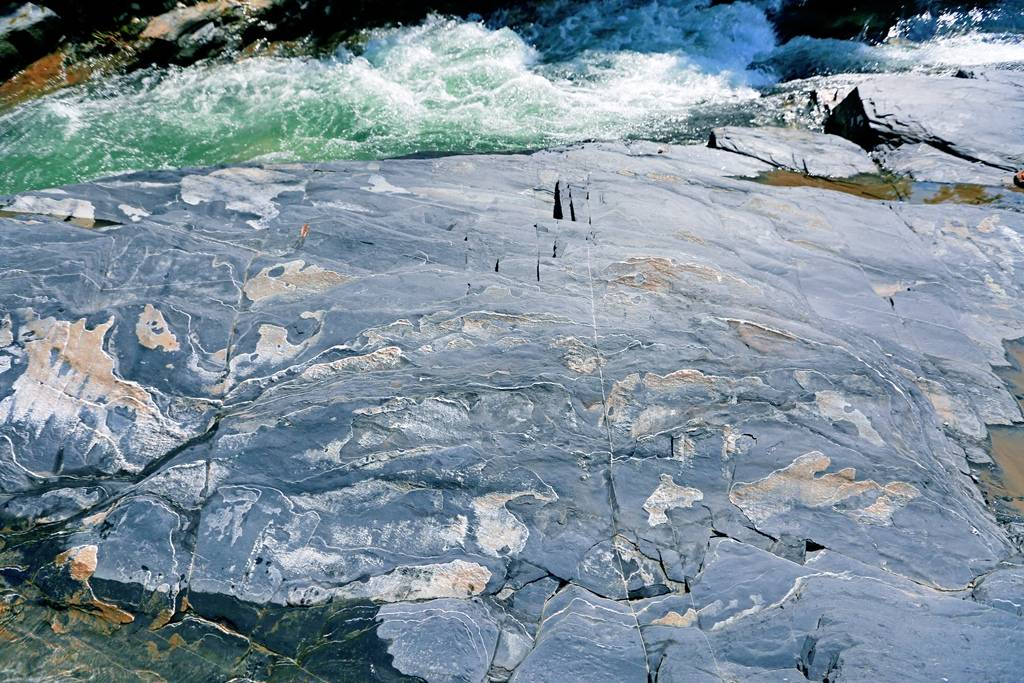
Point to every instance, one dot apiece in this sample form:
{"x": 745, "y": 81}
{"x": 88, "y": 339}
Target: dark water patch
{"x": 865, "y": 185}
{"x": 1013, "y": 374}
{"x": 961, "y": 193}
{"x": 69, "y": 643}
{"x": 966, "y": 193}
{"x": 330, "y": 642}
{"x": 1003, "y": 481}
{"x": 85, "y": 628}
{"x": 885, "y": 187}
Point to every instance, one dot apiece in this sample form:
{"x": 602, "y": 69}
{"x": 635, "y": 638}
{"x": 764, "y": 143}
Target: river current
{"x": 599, "y": 70}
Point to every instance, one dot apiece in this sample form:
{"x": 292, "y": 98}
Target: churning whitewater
{"x": 601, "y": 70}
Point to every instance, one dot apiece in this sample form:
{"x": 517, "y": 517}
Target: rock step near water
{"x": 943, "y": 129}
{"x": 609, "y": 412}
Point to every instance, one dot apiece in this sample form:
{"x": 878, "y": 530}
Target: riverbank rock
{"x": 932, "y": 127}
{"x": 817, "y": 154}
{"x": 26, "y": 33}
{"x": 614, "y": 409}
{"x": 186, "y": 34}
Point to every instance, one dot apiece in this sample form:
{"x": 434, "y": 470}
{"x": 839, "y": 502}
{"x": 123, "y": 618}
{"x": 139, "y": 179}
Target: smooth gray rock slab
{"x": 1003, "y": 589}
{"x": 440, "y": 641}
{"x": 971, "y": 118}
{"x": 584, "y": 637}
{"x": 398, "y": 419}
{"x": 923, "y": 162}
{"x": 892, "y": 617}
{"x": 817, "y": 154}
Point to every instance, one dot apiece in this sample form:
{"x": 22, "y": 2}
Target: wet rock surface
{"x": 606, "y": 412}
{"x": 26, "y": 32}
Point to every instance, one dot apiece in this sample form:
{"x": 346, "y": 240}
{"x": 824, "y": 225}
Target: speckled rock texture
{"x": 605, "y": 413}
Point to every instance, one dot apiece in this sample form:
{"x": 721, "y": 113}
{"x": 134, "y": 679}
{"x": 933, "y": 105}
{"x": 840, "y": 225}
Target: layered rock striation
{"x": 607, "y": 412}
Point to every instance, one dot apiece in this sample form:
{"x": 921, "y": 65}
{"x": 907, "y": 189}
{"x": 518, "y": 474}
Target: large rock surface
{"x": 972, "y": 120}
{"x": 600, "y": 413}
{"x": 816, "y": 154}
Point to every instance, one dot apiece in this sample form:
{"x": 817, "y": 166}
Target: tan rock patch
{"x": 455, "y": 579}
{"x": 952, "y": 410}
{"x": 69, "y": 373}
{"x": 81, "y": 560}
{"x": 579, "y": 356}
{"x": 650, "y": 273}
{"x": 482, "y": 324}
{"x": 498, "y": 531}
{"x": 678, "y": 620}
{"x": 761, "y": 338}
{"x": 623, "y": 403}
{"x": 797, "y": 484}
{"x": 382, "y": 359}
{"x": 669, "y": 495}
{"x": 153, "y": 332}
{"x": 294, "y": 279}
{"x": 658, "y": 274}
{"x": 835, "y": 406}
{"x": 273, "y": 344}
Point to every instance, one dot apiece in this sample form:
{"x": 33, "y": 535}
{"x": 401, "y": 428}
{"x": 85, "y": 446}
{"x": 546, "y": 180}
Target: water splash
{"x": 442, "y": 85}
{"x": 991, "y": 37}
{"x": 605, "y": 69}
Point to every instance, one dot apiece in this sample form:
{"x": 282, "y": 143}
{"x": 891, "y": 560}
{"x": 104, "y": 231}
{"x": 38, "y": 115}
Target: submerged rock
{"x": 404, "y": 419}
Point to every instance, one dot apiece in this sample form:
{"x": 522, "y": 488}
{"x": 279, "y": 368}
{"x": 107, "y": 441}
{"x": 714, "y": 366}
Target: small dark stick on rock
{"x": 1018, "y": 179}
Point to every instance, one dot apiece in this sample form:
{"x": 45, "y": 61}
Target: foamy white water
{"x": 605, "y": 69}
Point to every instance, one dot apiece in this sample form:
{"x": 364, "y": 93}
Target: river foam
{"x": 605, "y": 69}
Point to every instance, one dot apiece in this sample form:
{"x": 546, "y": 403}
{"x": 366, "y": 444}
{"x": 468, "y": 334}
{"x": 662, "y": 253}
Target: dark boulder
{"x": 26, "y": 33}
{"x": 867, "y": 19}
{"x": 940, "y": 112}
